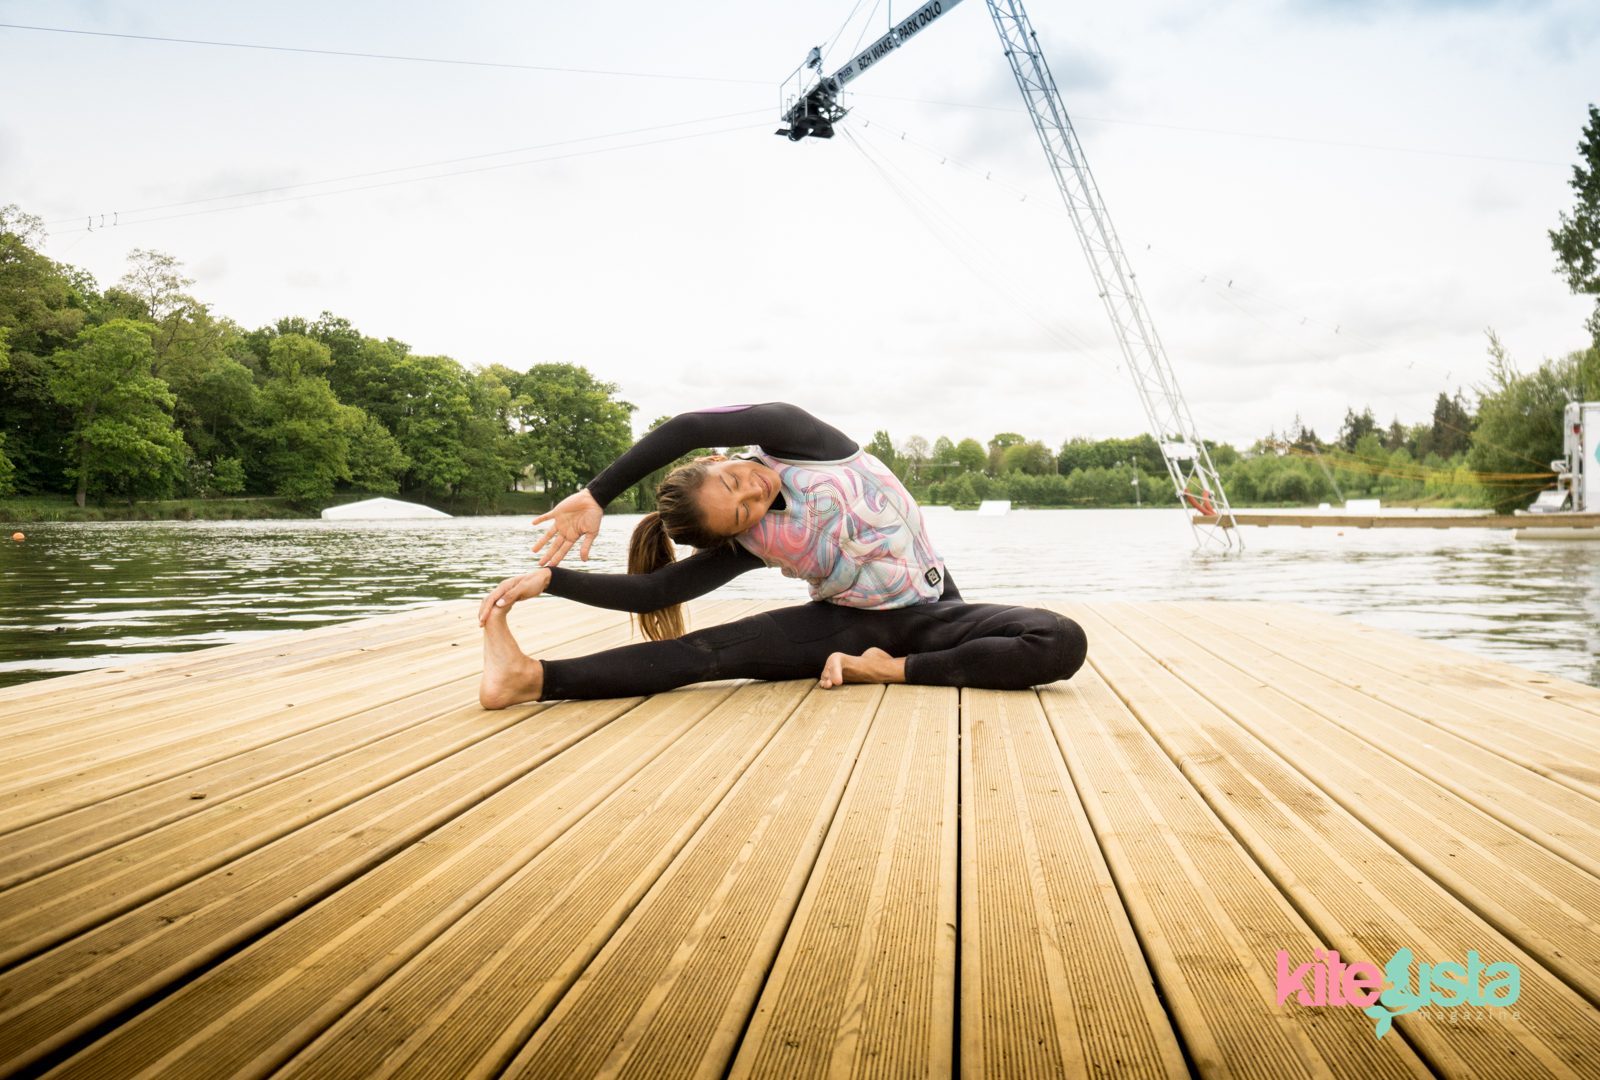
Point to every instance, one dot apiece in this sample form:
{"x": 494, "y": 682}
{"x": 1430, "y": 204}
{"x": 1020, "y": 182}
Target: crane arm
{"x": 815, "y": 112}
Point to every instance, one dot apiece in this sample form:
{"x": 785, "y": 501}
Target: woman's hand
{"x": 577, "y": 517}
{"x": 512, "y": 589}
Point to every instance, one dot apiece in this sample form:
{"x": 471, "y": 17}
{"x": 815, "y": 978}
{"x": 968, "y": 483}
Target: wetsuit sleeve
{"x": 672, "y": 584}
{"x": 782, "y": 430}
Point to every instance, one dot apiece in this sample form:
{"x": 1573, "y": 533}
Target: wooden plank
{"x": 70, "y": 785}
{"x": 172, "y": 681}
{"x": 1053, "y": 982}
{"x": 1361, "y": 896}
{"x": 670, "y": 993}
{"x": 1458, "y": 685}
{"x": 1567, "y": 761}
{"x": 1530, "y": 894}
{"x": 1210, "y": 921}
{"x": 25, "y": 695}
{"x": 864, "y": 984}
{"x": 118, "y": 774}
{"x": 210, "y": 700}
{"x": 466, "y": 1003}
{"x": 180, "y": 683}
{"x": 85, "y": 981}
{"x": 1307, "y": 520}
{"x": 101, "y": 885}
{"x": 1565, "y": 821}
{"x": 28, "y": 706}
{"x": 633, "y": 780}
{"x": 60, "y": 839}
{"x": 1428, "y": 661}
{"x": 60, "y": 905}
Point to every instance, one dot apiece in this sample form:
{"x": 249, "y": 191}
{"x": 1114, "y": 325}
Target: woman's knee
{"x": 1069, "y": 646}
{"x": 1049, "y": 647}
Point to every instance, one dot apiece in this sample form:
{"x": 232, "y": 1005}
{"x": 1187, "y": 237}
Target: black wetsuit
{"x": 945, "y": 643}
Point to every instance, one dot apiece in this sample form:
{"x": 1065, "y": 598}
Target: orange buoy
{"x": 18, "y": 536}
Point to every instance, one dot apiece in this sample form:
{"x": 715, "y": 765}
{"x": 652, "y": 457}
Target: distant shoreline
{"x": 30, "y": 508}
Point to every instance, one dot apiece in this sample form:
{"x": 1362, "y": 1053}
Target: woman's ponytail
{"x": 677, "y": 514}
{"x": 649, "y": 549}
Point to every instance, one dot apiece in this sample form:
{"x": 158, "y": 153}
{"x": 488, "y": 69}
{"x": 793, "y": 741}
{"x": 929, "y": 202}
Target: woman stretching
{"x": 807, "y": 500}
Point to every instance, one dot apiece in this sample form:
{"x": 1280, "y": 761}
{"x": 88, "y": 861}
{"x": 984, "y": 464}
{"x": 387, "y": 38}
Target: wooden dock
{"x": 316, "y": 856}
{"x": 1311, "y": 519}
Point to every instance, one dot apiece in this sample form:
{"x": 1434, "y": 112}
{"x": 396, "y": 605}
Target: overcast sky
{"x": 1374, "y": 179}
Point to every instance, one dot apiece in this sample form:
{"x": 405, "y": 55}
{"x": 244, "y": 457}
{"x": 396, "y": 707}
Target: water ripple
{"x": 81, "y": 596}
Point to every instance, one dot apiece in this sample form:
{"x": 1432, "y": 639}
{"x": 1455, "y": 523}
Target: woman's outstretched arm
{"x": 672, "y": 584}
{"x": 783, "y": 430}
{"x": 638, "y": 593}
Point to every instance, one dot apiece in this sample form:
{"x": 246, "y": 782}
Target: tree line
{"x": 1490, "y": 448}
{"x": 139, "y": 391}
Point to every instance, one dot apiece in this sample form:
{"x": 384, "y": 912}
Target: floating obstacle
{"x": 380, "y": 510}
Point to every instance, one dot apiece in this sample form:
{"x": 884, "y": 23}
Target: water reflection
{"x": 79, "y": 596}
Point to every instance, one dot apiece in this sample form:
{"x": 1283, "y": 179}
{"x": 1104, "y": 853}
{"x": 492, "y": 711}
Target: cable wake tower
{"x": 814, "y": 111}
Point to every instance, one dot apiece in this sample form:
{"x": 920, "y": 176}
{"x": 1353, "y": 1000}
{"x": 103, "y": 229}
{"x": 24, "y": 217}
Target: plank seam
{"x": 285, "y": 910}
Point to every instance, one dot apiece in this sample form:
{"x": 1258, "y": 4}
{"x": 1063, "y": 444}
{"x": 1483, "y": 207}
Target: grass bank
{"x": 62, "y": 508}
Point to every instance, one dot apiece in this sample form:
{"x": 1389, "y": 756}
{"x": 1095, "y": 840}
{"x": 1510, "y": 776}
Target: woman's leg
{"x": 987, "y": 646}
{"x": 994, "y": 647}
{"x": 790, "y": 643}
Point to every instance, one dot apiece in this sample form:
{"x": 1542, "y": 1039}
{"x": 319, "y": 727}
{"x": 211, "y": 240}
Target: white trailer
{"x": 1577, "y": 489}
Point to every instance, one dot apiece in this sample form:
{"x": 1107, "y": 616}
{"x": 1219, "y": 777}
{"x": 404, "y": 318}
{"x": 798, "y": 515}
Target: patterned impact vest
{"x": 851, "y": 531}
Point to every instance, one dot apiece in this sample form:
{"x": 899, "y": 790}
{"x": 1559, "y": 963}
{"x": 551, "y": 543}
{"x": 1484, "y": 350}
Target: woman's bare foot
{"x": 872, "y": 666}
{"x": 510, "y": 676}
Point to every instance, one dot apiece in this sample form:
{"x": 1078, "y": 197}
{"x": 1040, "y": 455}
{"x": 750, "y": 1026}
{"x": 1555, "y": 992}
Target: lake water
{"x": 74, "y": 597}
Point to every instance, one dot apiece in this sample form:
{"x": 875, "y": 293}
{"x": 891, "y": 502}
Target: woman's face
{"x": 736, "y": 494}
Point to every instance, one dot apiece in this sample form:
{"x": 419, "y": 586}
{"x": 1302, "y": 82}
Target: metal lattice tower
{"x": 1188, "y": 462}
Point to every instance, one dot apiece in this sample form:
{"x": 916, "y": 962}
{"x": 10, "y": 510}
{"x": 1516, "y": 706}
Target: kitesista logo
{"x": 1396, "y": 991}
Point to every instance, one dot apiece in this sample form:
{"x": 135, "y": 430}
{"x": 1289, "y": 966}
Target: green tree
{"x": 1356, "y": 427}
{"x": 1520, "y": 420}
{"x": 184, "y": 336}
{"x": 1396, "y": 437}
{"x": 1032, "y": 458}
{"x": 969, "y": 454}
{"x": 882, "y": 448}
{"x": 1079, "y": 452}
{"x": 644, "y": 492}
{"x": 227, "y": 476}
{"x": 972, "y": 456}
{"x": 43, "y": 306}
{"x": 121, "y": 431}
{"x": 493, "y": 458}
{"x": 1577, "y": 241}
{"x": 376, "y": 461}
{"x": 7, "y": 469}
{"x": 1451, "y": 431}
{"x": 917, "y": 453}
{"x": 997, "y": 451}
{"x": 573, "y": 425}
{"x": 218, "y": 410}
{"x": 39, "y": 304}
{"x": 303, "y": 431}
